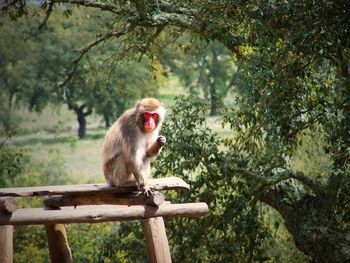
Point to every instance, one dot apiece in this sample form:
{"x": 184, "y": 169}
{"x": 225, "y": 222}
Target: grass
{"x": 167, "y": 93}
{"x": 81, "y": 157}
{"x": 52, "y": 134}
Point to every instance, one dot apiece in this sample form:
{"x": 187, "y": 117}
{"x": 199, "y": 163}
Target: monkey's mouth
{"x": 149, "y": 126}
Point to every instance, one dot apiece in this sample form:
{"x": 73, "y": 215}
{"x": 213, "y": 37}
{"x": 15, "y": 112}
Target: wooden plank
{"x": 6, "y": 244}
{"x": 167, "y": 183}
{"x": 136, "y": 198}
{"x": 156, "y": 240}
{"x": 58, "y": 244}
{"x": 8, "y": 204}
{"x": 100, "y": 213}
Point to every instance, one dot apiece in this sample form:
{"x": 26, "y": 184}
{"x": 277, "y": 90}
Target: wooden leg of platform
{"x": 58, "y": 244}
{"x": 156, "y": 240}
{"x": 6, "y": 244}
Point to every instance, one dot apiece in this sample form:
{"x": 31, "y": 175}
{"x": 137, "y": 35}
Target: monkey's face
{"x": 150, "y": 120}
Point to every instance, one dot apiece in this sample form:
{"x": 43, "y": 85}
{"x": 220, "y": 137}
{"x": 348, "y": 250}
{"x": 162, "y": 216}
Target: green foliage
{"x": 232, "y": 231}
{"x": 11, "y": 164}
{"x": 294, "y": 60}
{"x": 31, "y": 85}
{"x": 17, "y": 169}
{"x": 279, "y": 247}
{"x": 30, "y": 244}
{"x": 113, "y": 88}
{"x": 51, "y": 172}
{"x": 205, "y": 69}
{"x": 11, "y": 158}
{"x": 123, "y": 243}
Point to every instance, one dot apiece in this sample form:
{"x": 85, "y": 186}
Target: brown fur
{"x": 150, "y": 104}
{"x": 127, "y": 147}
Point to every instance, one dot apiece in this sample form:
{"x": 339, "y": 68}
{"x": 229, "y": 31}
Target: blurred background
{"x": 240, "y": 121}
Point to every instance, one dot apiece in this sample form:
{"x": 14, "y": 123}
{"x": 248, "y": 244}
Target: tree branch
{"x": 151, "y": 39}
{"x": 88, "y": 112}
{"x": 141, "y": 8}
{"x": 91, "y": 3}
{"x": 306, "y": 180}
{"x": 208, "y": 30}
{"x": 170, "y": 8}
{"x": 265, "y": 181}
{"x": 163, "y": 19}
{"x": 233, "y": 80}
{"x": 48, "y": 12}
{"x": 335, "y": 182}
{"x": 84, "y": 50}
{"x": 291, "y": 174}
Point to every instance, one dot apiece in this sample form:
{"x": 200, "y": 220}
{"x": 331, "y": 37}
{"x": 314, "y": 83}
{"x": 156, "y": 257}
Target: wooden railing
{"x": 93, "y": 203}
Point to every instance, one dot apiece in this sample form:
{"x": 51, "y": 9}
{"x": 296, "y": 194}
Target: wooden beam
{"x": 8, "y": 204}
{"x": 100, "y": 213}
{"x": 156, "y": 240}
{"x": 58, "y": 244}
{"x": 136, "y": 198}
{"x": 167, "y": 183}
{"x": 6, "y": 244}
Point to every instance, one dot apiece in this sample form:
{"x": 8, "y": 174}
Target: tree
{"x": 109, "y": 92}
{"x": 294, "y": 59}
{"x": 233, "y": 231}
{"x": 21, "y": 83}
{"x": 203, "y": 68}
{"x": 298, "y": 84}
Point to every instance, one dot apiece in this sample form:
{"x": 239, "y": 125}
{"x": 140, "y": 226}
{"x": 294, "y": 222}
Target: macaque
{"x": 130, "y": 143}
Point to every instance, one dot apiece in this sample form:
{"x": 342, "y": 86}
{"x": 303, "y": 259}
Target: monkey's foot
{"x": 148, "y": 192}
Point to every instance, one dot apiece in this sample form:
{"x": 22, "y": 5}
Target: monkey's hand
{"x": 161, "y": 140}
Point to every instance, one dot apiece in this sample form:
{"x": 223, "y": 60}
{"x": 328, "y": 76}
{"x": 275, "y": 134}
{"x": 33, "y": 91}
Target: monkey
{"x": 131, "y": 142}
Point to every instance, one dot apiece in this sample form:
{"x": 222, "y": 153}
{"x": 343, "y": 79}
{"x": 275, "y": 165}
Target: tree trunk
{"x": 81, "y": 117}
{"x": 214, "y": 100}
{"x": 107, "y": 120}
{"x": 310, "y": 221}
{"x": 82, "y": 124}
{"x": 10, "y": 101}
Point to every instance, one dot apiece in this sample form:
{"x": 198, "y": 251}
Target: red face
{"x": 150, "y": 120}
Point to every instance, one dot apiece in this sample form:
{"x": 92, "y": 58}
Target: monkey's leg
{"x": 141, "y": 173}
{"x": 144, "y": 187}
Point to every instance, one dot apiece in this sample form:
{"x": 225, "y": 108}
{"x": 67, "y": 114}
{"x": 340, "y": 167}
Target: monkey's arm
{"x": 155, "y": 148}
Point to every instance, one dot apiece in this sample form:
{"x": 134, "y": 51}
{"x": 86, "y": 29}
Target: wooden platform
{"x": 93, "y": 203}
{"x": 158, "y": 184}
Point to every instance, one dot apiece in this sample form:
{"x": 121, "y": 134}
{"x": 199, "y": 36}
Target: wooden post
{"x": 58, "y": 244}
{"x": 156, "y": 240}
{"x": 6, "y": 244}
{"x": 7, "y": 206}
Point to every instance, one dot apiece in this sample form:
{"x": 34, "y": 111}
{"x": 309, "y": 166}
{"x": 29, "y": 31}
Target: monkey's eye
{"x": 149, "y": 115}
{"x": 155, "y": 116}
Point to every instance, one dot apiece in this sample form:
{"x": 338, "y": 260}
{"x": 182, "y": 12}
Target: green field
{"x": 51, "y": 135}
